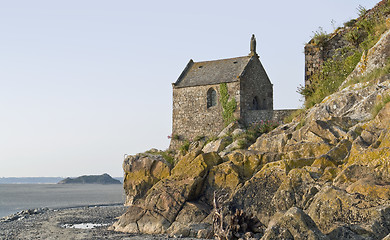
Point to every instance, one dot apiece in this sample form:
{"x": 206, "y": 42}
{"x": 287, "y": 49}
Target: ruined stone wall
{"x": 252, "y": 117}
{"x": 191, "y": 117}
{"x": 313, "y": 61}
{"x": 317, "y": 54}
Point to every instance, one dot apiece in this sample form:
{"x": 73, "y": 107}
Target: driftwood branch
{"x": 238, "y": 225}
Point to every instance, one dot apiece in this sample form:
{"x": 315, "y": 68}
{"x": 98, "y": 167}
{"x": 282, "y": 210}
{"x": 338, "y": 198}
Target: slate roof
{"x": 212, "y": 72}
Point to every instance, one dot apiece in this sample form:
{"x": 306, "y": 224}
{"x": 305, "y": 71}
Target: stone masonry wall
{"x": 257, "y": 116}
{"x": 192, "y": 118}
{"x": 255, "y": 83}
{"x": 317, "y": 54}
{"x": 313, "y": 61}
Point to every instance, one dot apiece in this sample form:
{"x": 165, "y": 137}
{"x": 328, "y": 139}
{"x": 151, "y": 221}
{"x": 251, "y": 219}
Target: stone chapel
{"x": 197, "y": 108}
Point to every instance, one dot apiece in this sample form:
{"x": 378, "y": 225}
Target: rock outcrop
{"x": 142, "y": 171}
{"x": 325, "y": 175}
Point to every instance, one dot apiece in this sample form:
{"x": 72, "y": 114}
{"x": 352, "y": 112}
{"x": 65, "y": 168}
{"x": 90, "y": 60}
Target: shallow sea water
{"x": 18, "y": 197}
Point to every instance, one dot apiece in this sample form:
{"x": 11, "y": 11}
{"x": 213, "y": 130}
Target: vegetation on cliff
{"x": 358, "y": 36}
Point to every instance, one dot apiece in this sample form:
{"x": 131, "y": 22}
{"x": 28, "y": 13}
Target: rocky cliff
{"x": 324, "y": 175}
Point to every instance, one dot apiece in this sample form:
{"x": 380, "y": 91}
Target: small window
{"x": 211, "y": 98}
{"x": 255, "y": 104}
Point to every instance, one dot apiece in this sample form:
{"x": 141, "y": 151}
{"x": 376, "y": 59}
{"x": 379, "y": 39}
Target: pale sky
{"x": 84, "y": 82}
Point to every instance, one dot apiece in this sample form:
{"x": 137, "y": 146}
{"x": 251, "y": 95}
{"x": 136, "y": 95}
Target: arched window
{"x": 211, "y": 98}
{"x": 255, "y": 104}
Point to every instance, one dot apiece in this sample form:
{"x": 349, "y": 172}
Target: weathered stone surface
{"x": 228, "y": 129}
{"x": 128, "y": 221}
{"x": 166, "y": 198}
{"x": 217, "y": 145}
{"x": 189, "y": 221}
{"x": 270, "y": 143}
{"x": 345, "y": 233}
{"x": 256, "y": 194}
{"x": 333, "y": 208}
{"x": 238, "y": 132}
{"x": 376, "y": 57}
{"x": 371, "y": 189}
{"x": 198, "y": 167}
{"x": 224, "y": 176}
{"x": 153, "y": 223}
{"x": 294, "y": 224}
{"x": 246, "y": 162}
{"x": 297, "y": 189}
{"x": 141, "y": 173}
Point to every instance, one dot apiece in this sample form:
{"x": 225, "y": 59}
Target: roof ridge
{"x": 223, "y": 59}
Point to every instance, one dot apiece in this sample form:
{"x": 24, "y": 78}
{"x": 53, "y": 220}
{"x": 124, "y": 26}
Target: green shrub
{"x": 184, "y": 147}
{"x": 254, "y": 131}
{"x": 320, "y": 36}
{"x": 328, "y": 80}
{"x": 361, "y": 10}
{"x": 350, "y": 23}
{"x": 298, "y": 112}
{"x": 199, "y": 138}
{"x": 354, "y": 36}
{"x": 168, "y": 155}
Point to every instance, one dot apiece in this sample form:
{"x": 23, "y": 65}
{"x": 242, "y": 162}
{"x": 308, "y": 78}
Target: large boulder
{"x": 141, "y": 172}
{"x": 256, "y": 194}
{"x": 294, "y": 224}
{"x": 334, "y": 208}
{"x": 297, "y": 189}
{"x": 189, "y": 221}
{"x": 217, "y": 145}
{"x": 164, "y": 201}
{"x": 225, "y": 177}
{"x": 246, "y": 162}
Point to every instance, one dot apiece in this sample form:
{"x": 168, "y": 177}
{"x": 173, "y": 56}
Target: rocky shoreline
{"x": 324, "y": 174}
{"x": 89, "y": 222}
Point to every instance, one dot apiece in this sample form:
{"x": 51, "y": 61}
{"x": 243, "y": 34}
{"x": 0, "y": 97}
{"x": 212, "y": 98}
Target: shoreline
{"x": 32, "y": 211}
{"x": 44, "y": 223}
{"x": 83, "y": 222}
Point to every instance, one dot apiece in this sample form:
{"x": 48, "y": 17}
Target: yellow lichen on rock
{"x": 370, "y": 189}
{"x": 322, "y": 163}
{"x": 245, "y": 162}
{"x": 224, "y": 175}
{"x": 195, "y": 165}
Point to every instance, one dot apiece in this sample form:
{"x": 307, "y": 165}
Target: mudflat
{"x": 69, "y": 223}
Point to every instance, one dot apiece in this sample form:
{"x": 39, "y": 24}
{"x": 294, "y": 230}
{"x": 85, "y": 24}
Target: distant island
{"x": 91, "y": 179}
